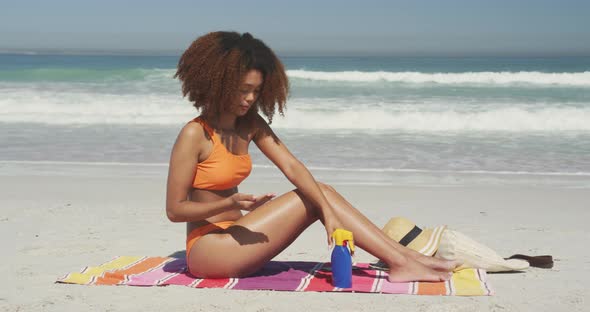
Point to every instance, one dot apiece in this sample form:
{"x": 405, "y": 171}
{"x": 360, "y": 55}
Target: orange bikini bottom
{"x": 199, "y": 232}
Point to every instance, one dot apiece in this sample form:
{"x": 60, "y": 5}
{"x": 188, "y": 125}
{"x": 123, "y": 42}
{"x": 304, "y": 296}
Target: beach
{"x": 494, "y": 147}
{"x": 60, "y": 217}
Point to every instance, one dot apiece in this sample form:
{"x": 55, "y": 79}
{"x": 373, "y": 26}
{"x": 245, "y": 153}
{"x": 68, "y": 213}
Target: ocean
{"x": 372, "y": 120}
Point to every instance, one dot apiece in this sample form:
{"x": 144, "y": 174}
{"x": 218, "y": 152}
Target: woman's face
{"x": 248, "y": 91}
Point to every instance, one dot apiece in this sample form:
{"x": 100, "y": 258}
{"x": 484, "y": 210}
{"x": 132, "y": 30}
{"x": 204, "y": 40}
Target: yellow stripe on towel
{"x": 88, "y": 275}
{"x": 467, "y": 282}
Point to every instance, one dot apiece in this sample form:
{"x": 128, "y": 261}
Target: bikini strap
{"x": 207, "y": 128}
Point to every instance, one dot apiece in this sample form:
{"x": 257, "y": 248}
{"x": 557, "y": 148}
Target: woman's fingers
{"x": 239, "y": 197}
{"x": 259, "y": 201}
{"x": 266, "y": 197}
{"x": 250, "y": 202}
{"x": 331, "y": 223}
{"x": 243, "y": 201}
{"x": 247, "y": 197}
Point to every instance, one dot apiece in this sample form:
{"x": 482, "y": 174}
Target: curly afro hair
{"x": 214, "y": 65}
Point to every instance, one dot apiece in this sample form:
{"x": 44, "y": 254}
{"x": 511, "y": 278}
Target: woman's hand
{"x": 250, "y": 202}
{"x": 331, "y": 223}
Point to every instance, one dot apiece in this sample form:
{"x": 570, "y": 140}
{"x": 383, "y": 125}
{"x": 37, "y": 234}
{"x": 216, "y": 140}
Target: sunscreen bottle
{"x": 341, "y": 258}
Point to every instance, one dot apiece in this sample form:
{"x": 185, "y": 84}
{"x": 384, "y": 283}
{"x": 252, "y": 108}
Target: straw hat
{"x": 457, "y": 246}
{"x": 405, "y": 232}
{"x": 447, "y": 244}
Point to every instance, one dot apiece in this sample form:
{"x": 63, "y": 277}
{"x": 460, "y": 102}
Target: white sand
{"x": 57, "y": 221}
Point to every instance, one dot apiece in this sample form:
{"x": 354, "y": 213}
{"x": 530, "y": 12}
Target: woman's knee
{"x": 303, "y": 201}
{"x": 326, "y": 187}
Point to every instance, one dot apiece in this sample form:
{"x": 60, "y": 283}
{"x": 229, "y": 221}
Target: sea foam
{"x": 580, "y": 79}
{"x": 168, "y": 109}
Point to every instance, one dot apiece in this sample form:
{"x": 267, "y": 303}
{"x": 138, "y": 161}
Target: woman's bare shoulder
{"x": 259, "y": 123}
{"x": 262, "y": 129}
{"x": 193, "y": 129}
{"x": 193, "y": 135}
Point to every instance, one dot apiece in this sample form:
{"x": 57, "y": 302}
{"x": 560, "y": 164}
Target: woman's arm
{"x": 183, "y": 166}
{"x": 295, "y": 171}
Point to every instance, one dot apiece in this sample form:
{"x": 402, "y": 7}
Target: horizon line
{"x": 293, "y": 53}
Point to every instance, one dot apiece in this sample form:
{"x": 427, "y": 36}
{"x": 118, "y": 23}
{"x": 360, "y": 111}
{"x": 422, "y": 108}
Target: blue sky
{"x": 453, "y": 27}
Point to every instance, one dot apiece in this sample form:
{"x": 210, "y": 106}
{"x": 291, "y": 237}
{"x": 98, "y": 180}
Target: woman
{"x": 230, "y": 78}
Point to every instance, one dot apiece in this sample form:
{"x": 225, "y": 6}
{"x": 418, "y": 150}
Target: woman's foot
{"x": 432, "y": 262}
{"x": 438, "y": 264}
{"x": 412, "y": 271}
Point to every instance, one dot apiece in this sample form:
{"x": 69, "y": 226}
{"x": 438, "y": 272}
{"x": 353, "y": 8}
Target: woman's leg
{"x": 253, "y": 240}
{"x": 263, "y": 233}
{"x": 350, "y": 213}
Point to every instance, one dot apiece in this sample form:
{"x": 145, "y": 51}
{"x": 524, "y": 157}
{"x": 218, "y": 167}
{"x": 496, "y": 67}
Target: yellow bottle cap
{"x": 341, "y": 235}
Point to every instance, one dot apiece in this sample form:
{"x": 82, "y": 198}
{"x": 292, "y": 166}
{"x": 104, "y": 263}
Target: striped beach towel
{"x": 276, "y": 275}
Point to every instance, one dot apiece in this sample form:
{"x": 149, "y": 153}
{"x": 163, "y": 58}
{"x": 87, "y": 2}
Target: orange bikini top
{"x": 222, "y": 170}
